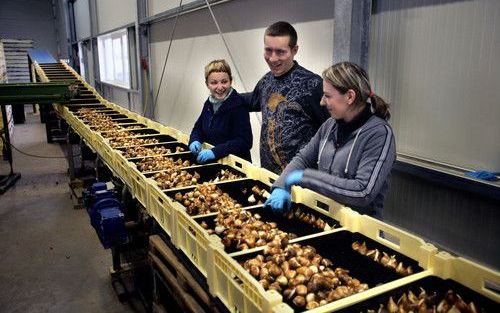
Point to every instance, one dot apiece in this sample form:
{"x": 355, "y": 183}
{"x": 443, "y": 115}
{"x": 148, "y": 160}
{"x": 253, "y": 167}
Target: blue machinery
{"x": 106, "y": 215}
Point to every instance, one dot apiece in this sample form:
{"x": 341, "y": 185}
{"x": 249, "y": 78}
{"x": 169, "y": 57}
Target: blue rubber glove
{"x": 294, "y": 178}
{"x": 279, "y": 200}
{"x": 205, "y": 156}
{"x": 195, "y": 147}
{"x": 485, "y": 175}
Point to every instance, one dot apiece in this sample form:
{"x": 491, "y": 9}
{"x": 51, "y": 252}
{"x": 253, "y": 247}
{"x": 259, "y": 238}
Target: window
{"x": 81, "y": 59}
{"x": 113, "y": 58}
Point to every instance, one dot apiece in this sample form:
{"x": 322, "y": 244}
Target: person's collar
{"x": 215, "y": 101}
{"x": 295, "y": 64}
{"x": 358, "y": 120}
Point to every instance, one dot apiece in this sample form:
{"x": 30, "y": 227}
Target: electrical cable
{"x": 225, "y": 44}
{"x": 39, "y": 156}
{"x": 168, "y": 53}
{"x": 146, "y": 81}
{"x": 229, "y": 52}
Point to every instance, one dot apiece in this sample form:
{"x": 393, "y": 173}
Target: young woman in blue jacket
{"x": 350, "y": 158}
{"x": 224, "y": 121}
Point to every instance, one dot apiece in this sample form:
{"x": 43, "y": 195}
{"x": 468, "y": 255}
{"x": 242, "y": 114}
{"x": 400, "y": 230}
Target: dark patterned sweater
{"x": 291, "y": 114}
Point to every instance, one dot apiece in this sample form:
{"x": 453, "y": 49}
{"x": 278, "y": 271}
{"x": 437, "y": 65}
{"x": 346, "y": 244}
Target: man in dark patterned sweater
{"x": 288, "y": 97}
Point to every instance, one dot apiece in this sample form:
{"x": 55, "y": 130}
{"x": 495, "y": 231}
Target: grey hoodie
{"x": 357, "y": 173}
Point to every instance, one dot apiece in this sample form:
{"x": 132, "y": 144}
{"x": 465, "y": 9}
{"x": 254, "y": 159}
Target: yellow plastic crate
{"x": 139, "y": 186}
{"x": 242, "y": 165}
{"x": 477, "y": 277}
{"x": 448, "y": 272}
{"x": 120, "y": 165}
{"x": 250, "y": 295}
{"x": 396, "y": 239}
{"x": 174, "y": 133}
{"x": 240, "y": 292}
{"x": 192, "y": 239}
{"x": 236, "y": 288}
{"x": 267, "y": 177}
{"x": 161, "y": 207}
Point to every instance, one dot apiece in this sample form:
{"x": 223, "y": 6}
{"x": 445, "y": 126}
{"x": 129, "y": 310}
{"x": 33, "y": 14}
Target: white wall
{"x": 437, "y": 62}
{"x": 197, "y": 42}
{"x": 158, "y": 6}
{"x": 82, "y": 19}
{"x": 112, "y": 14}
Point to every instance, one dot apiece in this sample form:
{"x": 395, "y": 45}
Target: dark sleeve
{"x": 306, "y": 158}
{"x": 378, "y": 156}
{"x": 241, "y": 141}
{"x": 252, "y": 99}
{"x": 319, "y": 114}
{"x": 247, "y": 98}
{"x": 197, "y": 131}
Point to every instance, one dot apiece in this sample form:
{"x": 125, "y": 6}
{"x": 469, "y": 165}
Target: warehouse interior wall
{"x": 112, "y": 14}
{"x": 197, "y": 42}
{"x": 17, "y": 20}
{"x": 437, "y": 63}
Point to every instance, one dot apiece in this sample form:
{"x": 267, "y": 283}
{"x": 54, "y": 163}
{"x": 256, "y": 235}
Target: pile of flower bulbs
{"x": 303, "y": 277}
{"x": 206, "y": 198}
{"x": 129, "y": 127}
{"x": 409, "y": 302}
{"x": 99, "y": 121}
{"x": 104, "y": 125}
{"x": 131, "y": 141}
{"x": 307, "y": 218}
{"x": 141, "y": 151}
{"x": 161, "y": 163}
{"x": 116, "y": 133}
{"x": 175, "y": 178}
{"x": 242, "y": 230}
{"x": 225, "y": 175}
{"x": 382, "y": 258}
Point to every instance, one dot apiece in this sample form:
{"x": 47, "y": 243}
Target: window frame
{"x": 108, "y": 57}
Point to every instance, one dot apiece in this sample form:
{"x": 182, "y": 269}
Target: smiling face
{"x": 219, "y": 84}
{"x": 337, "y": 104}
{"x": 278, "y": 54}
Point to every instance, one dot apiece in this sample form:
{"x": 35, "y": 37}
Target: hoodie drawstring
{"x": 352, "y": 148}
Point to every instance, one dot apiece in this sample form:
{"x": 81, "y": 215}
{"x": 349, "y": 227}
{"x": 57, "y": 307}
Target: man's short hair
{"x": 282, "y": 28}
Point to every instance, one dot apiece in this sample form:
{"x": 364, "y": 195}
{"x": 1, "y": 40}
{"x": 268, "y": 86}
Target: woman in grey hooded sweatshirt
{"x": 350, "y": 157}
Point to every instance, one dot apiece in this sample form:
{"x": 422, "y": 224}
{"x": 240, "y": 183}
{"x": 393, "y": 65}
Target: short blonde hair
{"x": 218, "y": 66}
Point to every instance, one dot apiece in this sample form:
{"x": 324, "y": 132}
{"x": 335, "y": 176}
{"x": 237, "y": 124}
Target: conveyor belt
{"x": 218, "y": 264}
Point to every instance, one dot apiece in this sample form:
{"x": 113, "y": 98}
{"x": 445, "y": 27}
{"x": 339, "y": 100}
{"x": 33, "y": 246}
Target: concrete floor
{"x": 50, "y": 257}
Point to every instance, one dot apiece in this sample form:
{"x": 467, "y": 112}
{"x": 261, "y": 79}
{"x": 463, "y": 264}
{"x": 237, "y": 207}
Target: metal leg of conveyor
{"x": 75, "y": 185}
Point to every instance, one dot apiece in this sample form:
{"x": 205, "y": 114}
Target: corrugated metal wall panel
{"x": 459, "y": 221}
{"x": 113, "y": 14}
{"x": 436, "y": 61}
{"x": 82, "y": 19}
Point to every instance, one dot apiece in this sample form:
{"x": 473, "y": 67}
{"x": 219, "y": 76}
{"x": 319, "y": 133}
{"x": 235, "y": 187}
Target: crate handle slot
{"x": 321, "y": 205}
{"x": 160, "y": 200}
{"x": 271, "y": 180}
{"x": 389, "y": 237}
{"x": 492, "y": 287}
{"x": 238, "y": 164}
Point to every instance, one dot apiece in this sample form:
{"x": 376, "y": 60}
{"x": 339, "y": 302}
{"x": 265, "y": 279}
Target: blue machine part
{"x": 106, "y": 215}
